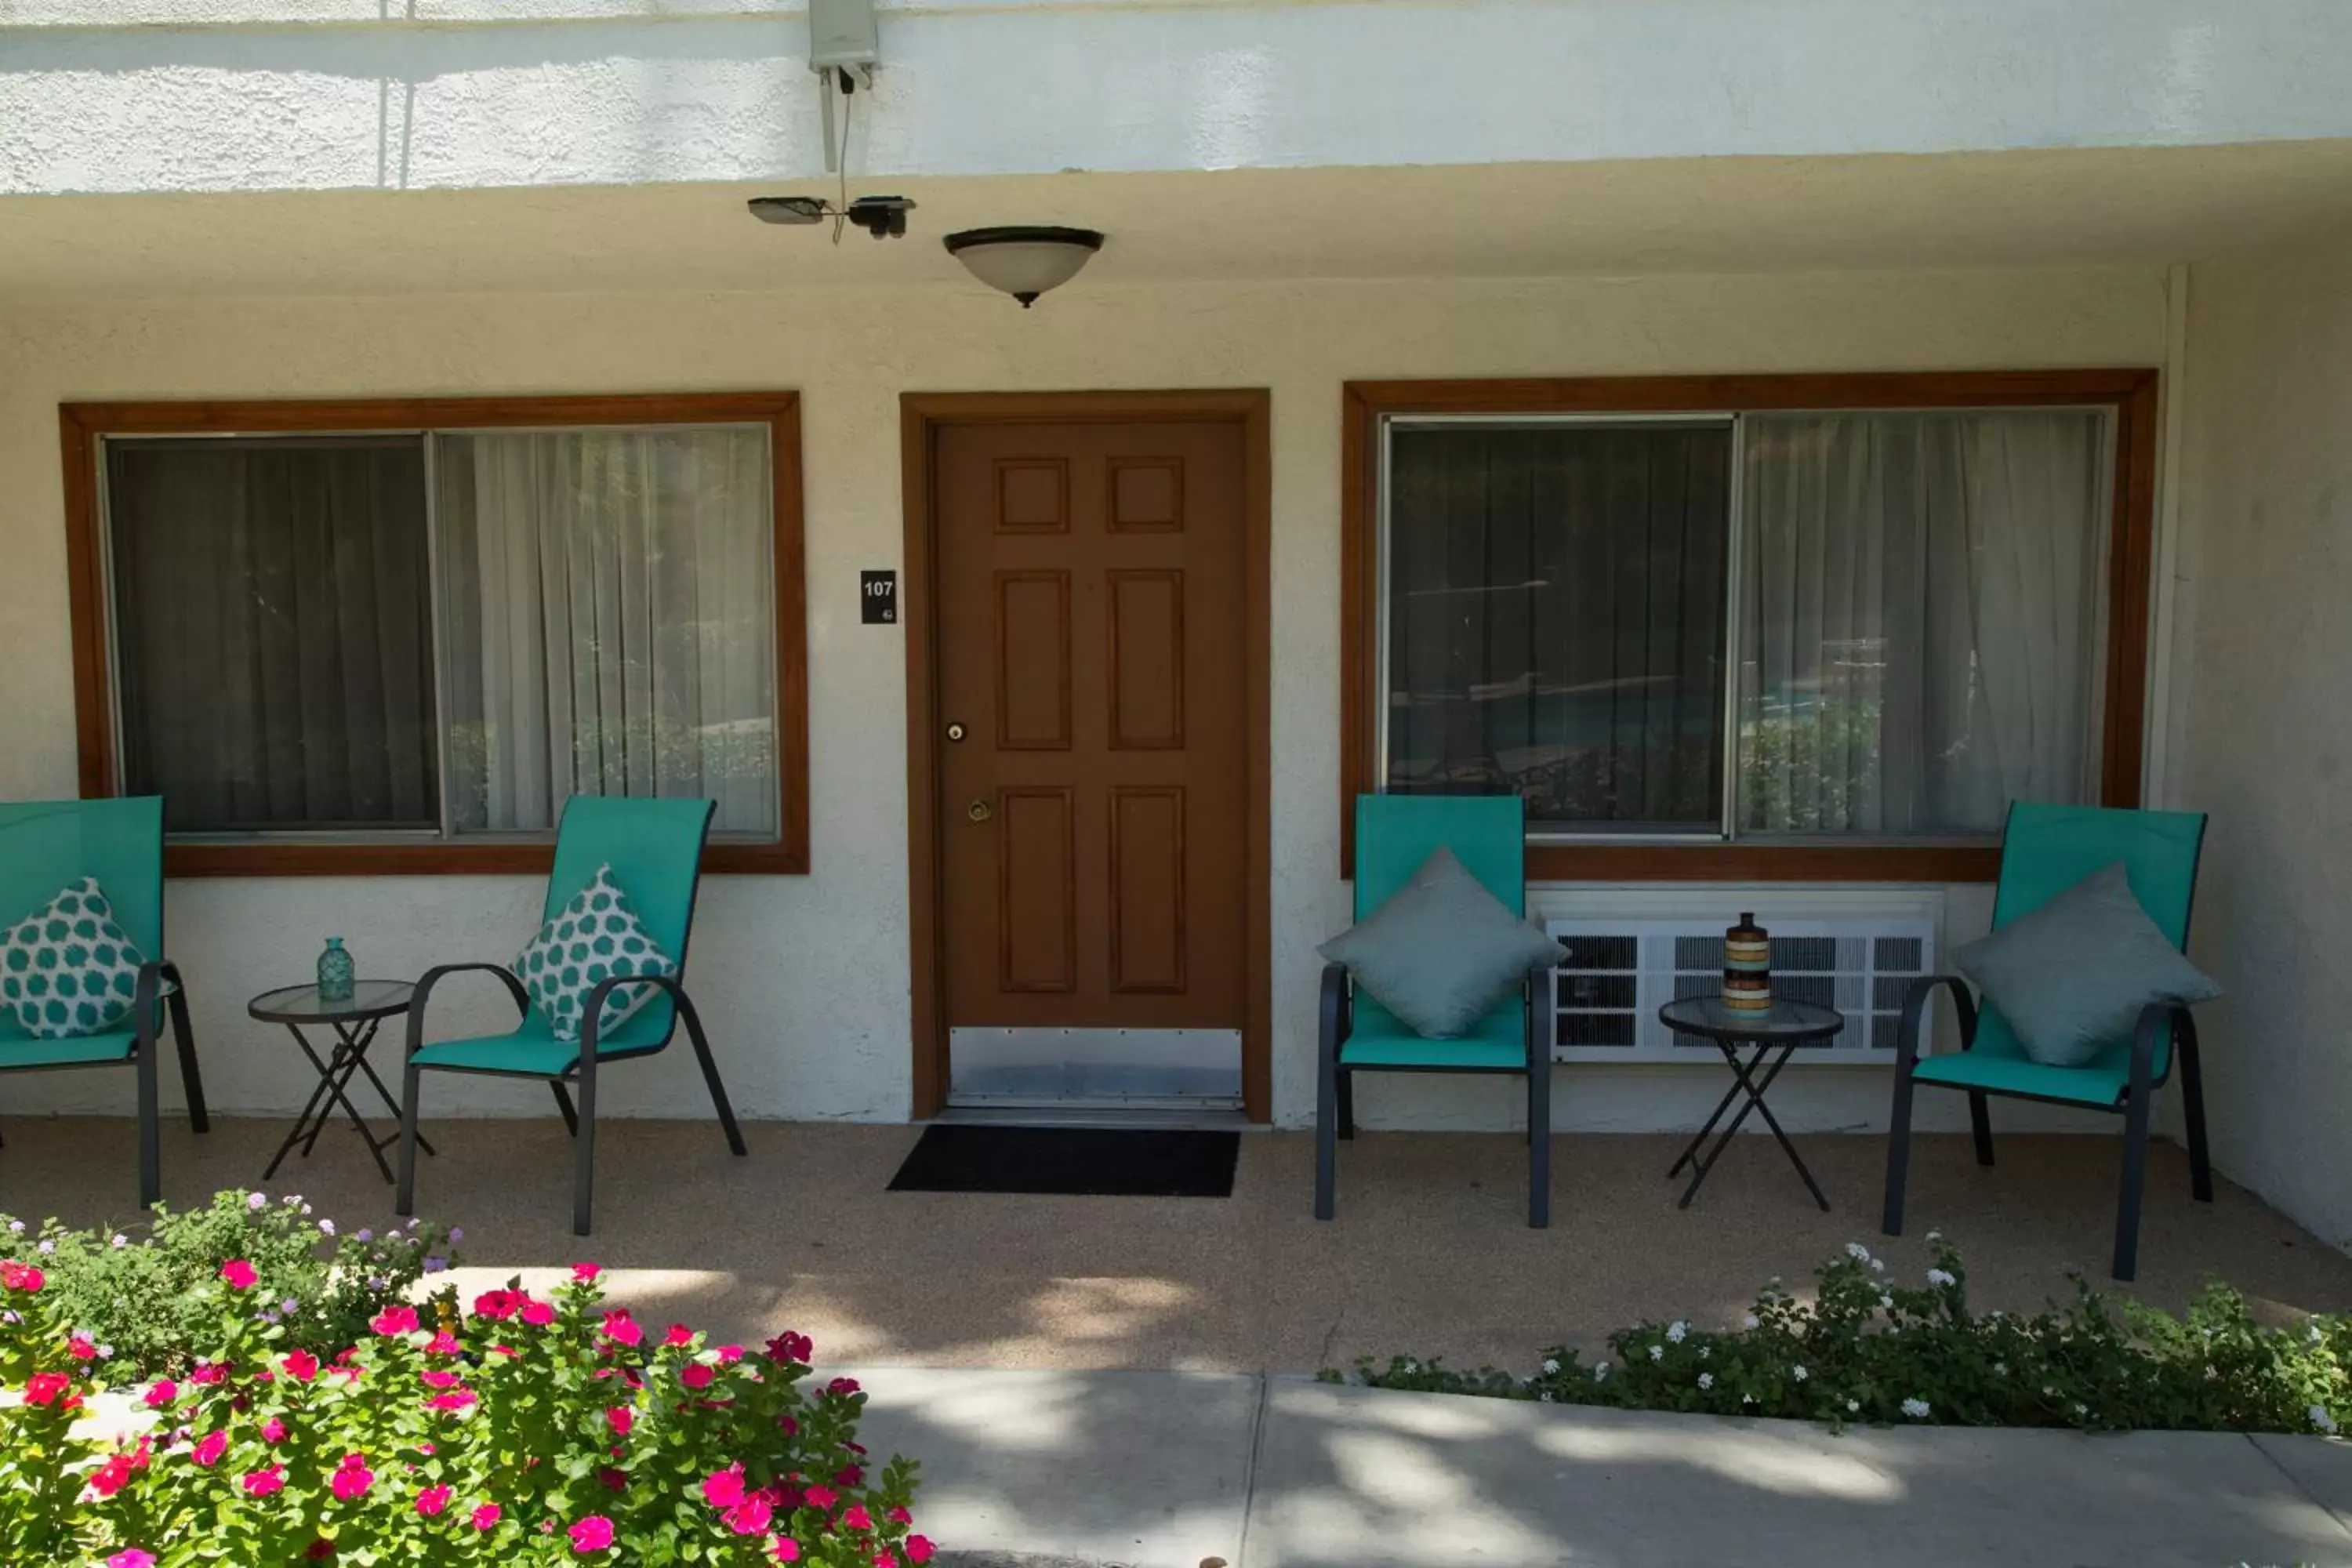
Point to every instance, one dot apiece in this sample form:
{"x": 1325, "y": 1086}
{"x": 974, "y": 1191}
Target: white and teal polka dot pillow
{"x": 66, "y": 969}
{"x": 597, "y": 935}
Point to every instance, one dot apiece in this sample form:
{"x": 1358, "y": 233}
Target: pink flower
{"x": 432, "y": 1501}
{"x": 842, "y": 1386}
{"x": 455, "y": 1399}
{"x": 209, "y": 1371}
{"x": 300, "y": 1365}
{"x": 854, "y": 1517}
{"x": 822, "y": 1497}
{"x": 441, "y": 1379}
{"x": 23, "y": 1276}
{"x": 728, "y": 1355}
{"x": 848, "y": 1475}
{"x": 583, "y": 1273}
{"x": 44, "y": 1387}
{"x": 723, "y": 1489}
{"x": 789, "y": 1346}
{"x": 791, "y": 1428}
{"x": 900, "y": 1515}
{"x": 164, "y": 1391}
{"x": 884, "y": 1559}
{"x": 273, "y": 1430}
{"x": 614, "y": 1480}
{"x": 679, "y": 1334}
{"x": 485, "y": 1517}
{"x": 694, "y": 1374}
{"x": 262, "y": 1482}
{"x": 593, "y": 1534}
{"x": 239, "y": 1274}
{"x": 788, "y": 1550}
{"x": 131, "y": 1557}
{"x": 538, "y": 1314}
{"x": 499, "y": 1304}
{"x": 751, "y": 1516}
{"x": 444, "y": 1343}
{"x": 81, "y": 1348}
{"x": 620, "y": 1418}
{"x": 920, "y": 1550}
{"x": 395, "y": 1321}
{"x": 621, "y": 1329}
{"x": 353, "y": 1479}
{"x": 110, "y": 1478}
{"x": 209, "y": 1448}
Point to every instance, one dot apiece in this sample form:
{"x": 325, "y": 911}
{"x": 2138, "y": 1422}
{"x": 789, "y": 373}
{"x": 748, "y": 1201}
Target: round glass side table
{"x": 1781, "y": 1027}
{"x": 355, "y": 1022}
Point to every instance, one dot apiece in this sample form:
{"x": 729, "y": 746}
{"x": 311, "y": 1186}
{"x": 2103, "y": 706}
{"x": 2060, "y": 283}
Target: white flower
{"x": 2001, "y": 1369}
{"x": 1747, "y": 1399}
{"x": 106, "y": 1352}
{"x": 1799, "y": 1373}
{"x": 1413, "y": 1366}
{"x": 1852, "y": 1405}
{"x": 2048, "y": 1391}
{"x": 48, "y": 1246}
{"x": 1887, "y": 1303}
{"x": 1858, "y": 1252}
{"x": 1657, "y": 1352}
{"x": 1703, "y": 1351}
{"x": 16, "y": 1227}
{"x": 1706, "y": 1380}
{"x": 2314, "y": 1333}
{"x": 120, "y": 1242}
{"x": 257, "y": 1201}
{"x": 1552, "y": 1367}
{"x": 1934, "y": 1237}
{"x": 2321, "y": 1419}
{"x": 1878, "y": 1266}
{"x": 306, "y": 1211}
{"x": 1915, "y": 1409}
{"x": 2082, "y": 1409}
{"x": 1677, "y": 1331}
{"x": 1545, "y": 1396}
{"x": 1751, "y": 1321}
{"x": 363, "y": 1234}
{"x": 326, "y": 1227}
{"x": 1599, "y": 1371}
{"x": 1942, "y": 1277}
{"x": 289, "y": 1306}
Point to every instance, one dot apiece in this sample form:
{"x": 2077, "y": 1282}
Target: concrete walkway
{"x": 1032, "y": 1468}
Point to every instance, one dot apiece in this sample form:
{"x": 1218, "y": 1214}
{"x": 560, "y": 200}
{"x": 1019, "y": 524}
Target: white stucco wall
{"x": 2269, "y": 499}
{"x": 803, "y": 979}
{"x": 242, "y": 95}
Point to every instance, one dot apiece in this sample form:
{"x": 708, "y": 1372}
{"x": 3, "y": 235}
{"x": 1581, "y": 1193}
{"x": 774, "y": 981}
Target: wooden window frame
{"x": 83, "y": 426}
{"x": 2130, "y": 395}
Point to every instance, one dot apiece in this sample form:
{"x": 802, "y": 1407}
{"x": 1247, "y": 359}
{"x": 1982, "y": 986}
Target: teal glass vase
{"x": 334, "y": 972}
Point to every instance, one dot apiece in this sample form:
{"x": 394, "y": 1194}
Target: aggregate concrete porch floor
{"x": 1430, "y": 1254}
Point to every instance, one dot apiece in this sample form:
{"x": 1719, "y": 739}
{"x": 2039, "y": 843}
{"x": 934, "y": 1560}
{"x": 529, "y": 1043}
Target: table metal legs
{"x": 335, "y": 1074}
{"x": 1744, "y": 1081}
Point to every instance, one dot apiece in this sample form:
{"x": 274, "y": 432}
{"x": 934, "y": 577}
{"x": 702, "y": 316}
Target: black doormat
{"x": 1139, "y": 1164}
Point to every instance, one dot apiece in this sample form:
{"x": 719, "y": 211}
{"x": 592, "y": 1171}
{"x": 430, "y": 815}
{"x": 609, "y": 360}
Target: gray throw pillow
{"x": 2071, "y": 976}
{"x": 1443, "y": 952}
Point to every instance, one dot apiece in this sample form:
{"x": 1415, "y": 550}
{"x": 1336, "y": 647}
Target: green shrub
{"x": 525, "y": 1431}
{"x": 147, "y": 1299}
{"x": 1868, "y": 1350}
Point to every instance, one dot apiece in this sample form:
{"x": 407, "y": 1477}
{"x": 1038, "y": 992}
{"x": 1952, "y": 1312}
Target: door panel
{"x": 1091, "y": 609}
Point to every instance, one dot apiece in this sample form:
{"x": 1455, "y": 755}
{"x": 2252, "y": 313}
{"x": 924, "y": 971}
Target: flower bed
{"x": 527, "y": 1430}
{"x": 1866, "y": 1349}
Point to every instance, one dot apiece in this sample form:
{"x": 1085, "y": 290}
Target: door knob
{"x": 980, "y": 811}
{"x": 955, "y": 732}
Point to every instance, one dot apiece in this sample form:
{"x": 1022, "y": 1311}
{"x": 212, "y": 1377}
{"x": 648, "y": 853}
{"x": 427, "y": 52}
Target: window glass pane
{"x": 1555, "y": 602}
{"x": 1922, "y": 617}
{"x": 608, "y": 601}
{"x": 273, "y": 632}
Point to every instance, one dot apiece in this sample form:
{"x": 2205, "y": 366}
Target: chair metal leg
{"x": 191, "y": 1078}
{"x": 1347, "y": 1106}
{"x": 1980, "y": 1123}
{"x": 1540, "y": 1146}
{"x": 1326, "y": 1132}
{"x": 2192, "y": 1094}
{"x": 2135, "y": 1177}
{"x": 1898, "y": 1148}
{"x": 583, "y": 1148}
{"x": 710, "y": 1073}
{"x": 404, "y": 1201}
{"x": 563, "y": 1104}
{"x": 150, "y": 1132}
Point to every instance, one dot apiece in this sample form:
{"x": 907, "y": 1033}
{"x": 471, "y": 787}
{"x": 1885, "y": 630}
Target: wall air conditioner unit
{"x": 1622, "y": 969}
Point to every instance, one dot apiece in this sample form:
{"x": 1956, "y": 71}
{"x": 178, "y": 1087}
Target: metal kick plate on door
{"x": 1174, "y": 1070}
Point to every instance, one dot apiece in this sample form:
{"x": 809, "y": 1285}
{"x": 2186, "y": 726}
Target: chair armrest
{"x": 434, "y": 976}
{"x": 592, "y": 1009}
{"x": 1915, "y": 1007}
{"x": 147, "y": 990}
{"x": 1336, "y": 1015}
{"x": 2152, "y": 1017}
{"x": 1536, "y": 984}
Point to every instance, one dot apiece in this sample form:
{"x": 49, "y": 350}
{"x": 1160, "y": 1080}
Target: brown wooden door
{"x": 1091, "y": 654}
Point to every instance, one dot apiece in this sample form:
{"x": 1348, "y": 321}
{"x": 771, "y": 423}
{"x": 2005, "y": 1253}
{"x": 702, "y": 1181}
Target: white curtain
{"x": 1923, "y": 618}
{"x": 609, "y": 619}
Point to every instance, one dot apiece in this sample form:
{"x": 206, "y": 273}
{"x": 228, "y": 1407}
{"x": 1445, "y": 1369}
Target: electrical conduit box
{"x": 840, "y": 34}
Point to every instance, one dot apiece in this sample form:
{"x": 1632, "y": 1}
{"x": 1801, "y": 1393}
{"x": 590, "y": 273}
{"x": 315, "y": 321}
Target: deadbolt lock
{"x": 980, "y": 811}
{"x": 955, "y": 732}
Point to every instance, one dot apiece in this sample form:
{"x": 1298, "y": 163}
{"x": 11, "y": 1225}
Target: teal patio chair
{"x": 1394, "y": 834}
{"x": 654, "y": 847}
{"x": 2045, "y": 850}
{"x": 46, "y": 844}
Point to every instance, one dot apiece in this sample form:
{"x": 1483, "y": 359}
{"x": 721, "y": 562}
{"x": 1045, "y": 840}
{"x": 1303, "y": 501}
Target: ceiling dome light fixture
{"x": 1025, "y": 259}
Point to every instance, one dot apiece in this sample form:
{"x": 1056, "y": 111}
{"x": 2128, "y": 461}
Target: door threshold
{"x": 1131, "y": 1118}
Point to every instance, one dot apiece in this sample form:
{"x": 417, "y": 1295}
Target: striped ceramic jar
{"x": 1747, "y": 967}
